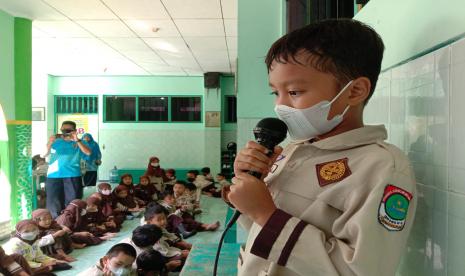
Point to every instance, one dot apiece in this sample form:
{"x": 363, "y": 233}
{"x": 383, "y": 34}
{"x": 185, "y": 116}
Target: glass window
{"x": 120, "y": 109}
{"x": 153, "y": 109}
{"x": 186, "y": 109}
{"x": 231, "y": 112}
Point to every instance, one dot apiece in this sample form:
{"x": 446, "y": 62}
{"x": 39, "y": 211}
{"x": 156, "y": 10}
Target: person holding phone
{"x": 64, "y": 181}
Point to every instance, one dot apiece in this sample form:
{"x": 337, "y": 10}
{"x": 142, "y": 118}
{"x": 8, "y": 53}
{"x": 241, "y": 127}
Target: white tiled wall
{"x": 131, "y": 149}
{"x": 422, "y": 103}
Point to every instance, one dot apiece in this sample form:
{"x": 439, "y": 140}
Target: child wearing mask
{"x": 118, "y": 261}
{"x": 73, "y": 218}
{"x": 145, "y": 191}
{"x": 124, "y": 203}
{"x": 25, "y": 241}
{"x": 54, "y": 240}
{"x": 104, "y": 189}
{"x": 150, "y": 263}
{"x": 156, "y": 173}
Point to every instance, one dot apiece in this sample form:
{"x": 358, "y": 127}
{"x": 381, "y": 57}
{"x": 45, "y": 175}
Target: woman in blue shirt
{"x": 91, "y": 161}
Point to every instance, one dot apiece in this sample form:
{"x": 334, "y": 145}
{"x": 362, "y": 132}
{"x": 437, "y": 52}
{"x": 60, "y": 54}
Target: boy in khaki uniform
{"x": 338, "y": 200}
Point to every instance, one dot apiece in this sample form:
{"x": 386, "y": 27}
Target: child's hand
{"x": 171, "y": 265}
{"x": 50, "y": 263}
{"x": 251, "y": 197}
{"x": 59, "y": 233}
{"x": 67, "y": 230}
{"x": 254, "y": 158}
{"x": 184, "y": 254}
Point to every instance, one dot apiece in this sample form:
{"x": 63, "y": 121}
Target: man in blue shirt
{"x": 64, "y": 182}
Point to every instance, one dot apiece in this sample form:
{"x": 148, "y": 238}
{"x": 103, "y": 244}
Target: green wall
{"x": 411, "y": 27}
{"x": 260, "y": 23}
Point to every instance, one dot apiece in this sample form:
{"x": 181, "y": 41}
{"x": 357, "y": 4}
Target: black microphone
{"x": 269, "y": 133}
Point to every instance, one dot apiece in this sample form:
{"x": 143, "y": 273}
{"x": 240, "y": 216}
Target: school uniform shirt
{"x": 32, "y": 253}
{"x": 65, "y": 159}
{"x": 201, "y": 182}
{"x": 223, "y": 183}
{"x": 165, "y": 249}
{"x": 187, "y": 201}
{"x": 346, "y": 205}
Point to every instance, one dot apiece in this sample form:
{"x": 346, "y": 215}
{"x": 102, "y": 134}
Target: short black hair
{"x": 181, "y": 182}
{"x": 69, "y": 123}
{"x": 165, "y": 194}
{"x": 146, "y": 235}
{"x": 150, "y": 260}
{"x": 195, "y": 172}
{"x": 153, "y": 211}
{"x": 205, "y": 170}
{"x": 191, "y": 186}
{"x": 124, "y": 248}
{"x": 346, "y": 48}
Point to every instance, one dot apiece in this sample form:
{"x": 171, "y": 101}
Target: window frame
{"x": 169, "y": 97}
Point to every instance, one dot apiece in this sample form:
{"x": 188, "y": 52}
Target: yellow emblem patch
{"x": 332, "y": 171}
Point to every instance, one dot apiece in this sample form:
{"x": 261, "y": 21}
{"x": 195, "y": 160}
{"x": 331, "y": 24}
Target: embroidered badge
{"x": 332, "y": 171}
{"x": 393, "y": 208}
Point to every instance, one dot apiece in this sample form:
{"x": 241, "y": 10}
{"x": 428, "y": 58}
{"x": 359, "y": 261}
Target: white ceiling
{"x": 131, "y": 37}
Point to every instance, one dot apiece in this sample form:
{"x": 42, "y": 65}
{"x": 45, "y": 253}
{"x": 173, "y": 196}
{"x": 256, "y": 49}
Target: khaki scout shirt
{"x": 346, "y": 205}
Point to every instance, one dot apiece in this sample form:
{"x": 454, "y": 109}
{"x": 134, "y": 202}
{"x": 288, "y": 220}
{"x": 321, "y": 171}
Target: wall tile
{"x": 455, "y": 235}
{"x": 457, "y": 115}
{"x": 426, "y": 252}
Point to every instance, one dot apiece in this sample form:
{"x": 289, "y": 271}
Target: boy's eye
{"x": 274, "y": 93}
{"x": 294, "y": 93}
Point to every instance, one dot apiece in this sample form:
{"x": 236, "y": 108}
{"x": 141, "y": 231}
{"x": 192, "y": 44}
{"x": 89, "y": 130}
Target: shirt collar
{"x": 350, "y": 139}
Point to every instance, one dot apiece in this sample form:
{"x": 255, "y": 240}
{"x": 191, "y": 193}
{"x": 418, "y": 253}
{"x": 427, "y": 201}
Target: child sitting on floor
{"x": 13, "y": 265}
{"x": 97, "y": 224}
{"x": 178, "y": 219}
{"x": 25, "y": 242}
{"x": 176, "y": 256}
{"x": 171, "y": 179}
{"x": 55, "y": 240}
{"x": 126, "y": 180}
{"x": 124, "y": 203}
{"x": 145, "y": 191}
{"x": 117, "y": 261}
{"x": 104, "y": 189}
{"x": 72, "y": 218}
{"x": 150, "y": 263}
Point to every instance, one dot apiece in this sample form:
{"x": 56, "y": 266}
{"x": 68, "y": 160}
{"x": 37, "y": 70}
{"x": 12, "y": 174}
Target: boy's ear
{"x": 360, "y": 91}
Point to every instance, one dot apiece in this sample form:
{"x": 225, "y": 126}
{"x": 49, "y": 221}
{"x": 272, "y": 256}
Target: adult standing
{"x": 64, "y": 182}
{"x": 91, "y": 161}
{"x": 156, "y": 174}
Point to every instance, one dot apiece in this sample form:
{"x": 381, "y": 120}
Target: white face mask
{"x": 106, "y": 192}
{"x": 305, "y": 124}
{"x": 83, "y": 212}
{"x": 155, "y": 164}
{"x": 120, "y": 271}
{"x": 29, "y": 236}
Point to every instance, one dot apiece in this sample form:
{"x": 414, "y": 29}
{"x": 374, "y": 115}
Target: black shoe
{"x": 184, "y": 233}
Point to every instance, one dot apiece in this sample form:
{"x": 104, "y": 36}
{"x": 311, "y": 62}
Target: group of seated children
{"x": 44, "y": 243}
